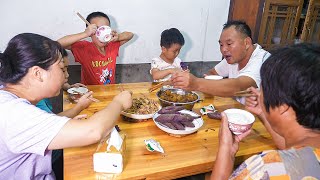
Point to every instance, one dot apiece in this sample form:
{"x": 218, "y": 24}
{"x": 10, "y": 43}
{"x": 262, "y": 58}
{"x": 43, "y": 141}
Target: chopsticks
{"x": 157, "y": 86}
{"x": 120, "y": 87}
{"x": 244, "y": 93}
{"x": 83, "y": 19}
{"x": 91, "y": 98}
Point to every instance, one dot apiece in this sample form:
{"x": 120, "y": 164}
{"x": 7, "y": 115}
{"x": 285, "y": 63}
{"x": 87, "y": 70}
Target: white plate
{"x": 81, "y": 90}
{"x": 137, "y": 116}
{"x": 188, "y": 130}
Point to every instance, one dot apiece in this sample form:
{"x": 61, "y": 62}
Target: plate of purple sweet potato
{"x": 177, "y": 120}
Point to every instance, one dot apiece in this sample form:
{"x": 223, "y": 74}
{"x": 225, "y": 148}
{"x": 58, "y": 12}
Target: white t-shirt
{"x": 252, "y": 69}
{"x": 162, "y": 65}
{"x": 25, "y": 133}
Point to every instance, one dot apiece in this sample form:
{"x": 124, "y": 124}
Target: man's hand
{"x": 253, "y": 102}
{"x": 183, "y": 80}
{"x": 227, "y": 141}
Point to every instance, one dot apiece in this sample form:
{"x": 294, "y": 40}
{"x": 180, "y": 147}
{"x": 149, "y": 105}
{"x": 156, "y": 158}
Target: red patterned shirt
{"x": 96, "y": 68}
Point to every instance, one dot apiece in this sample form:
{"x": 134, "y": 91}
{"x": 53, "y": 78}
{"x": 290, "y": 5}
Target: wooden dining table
{"x": 183, "y": 156}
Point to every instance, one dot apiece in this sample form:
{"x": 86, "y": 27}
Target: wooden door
{"x": 311, "y": 27}
{"x": 249, "y": 11}
{"x": 280, "y": 22}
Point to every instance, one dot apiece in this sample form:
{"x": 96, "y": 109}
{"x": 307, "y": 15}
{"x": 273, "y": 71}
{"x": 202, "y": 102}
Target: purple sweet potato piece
{"x": 169, "y": 125}
{"x": 215, "y": 115}
{"x": 187, "y": 124}
{"x": 162, "y": 118}
{"x": 170, "y": 109}
{"x": 184, "y": 117}
{"x": 178, "y": 125}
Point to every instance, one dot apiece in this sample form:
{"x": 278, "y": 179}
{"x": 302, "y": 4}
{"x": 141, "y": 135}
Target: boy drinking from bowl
{"x": 97, "y": 59}
{"x": 167, "y": 63}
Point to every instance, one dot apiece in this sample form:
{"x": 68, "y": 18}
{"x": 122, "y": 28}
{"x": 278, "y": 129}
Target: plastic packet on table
{"x": 109, "y": 154}
{"x": 206, "y": 109}
{"x": 153, "y": 145}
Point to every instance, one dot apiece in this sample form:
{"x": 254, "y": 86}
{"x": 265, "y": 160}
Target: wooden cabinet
{"x": 311, "y": 27}
{"x": 280, "y": 22}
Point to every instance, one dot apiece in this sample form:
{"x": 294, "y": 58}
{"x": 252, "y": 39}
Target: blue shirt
{"x": 45, "y": 105}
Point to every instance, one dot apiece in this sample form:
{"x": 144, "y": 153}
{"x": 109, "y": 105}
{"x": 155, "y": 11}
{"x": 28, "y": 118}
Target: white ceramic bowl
{"x": 239, "y": 120}
{"x": 213, "y": 77}
{"x": 103, "y": 33}
{"x": 75, "y": 93}
{"x": 188, "y": 130}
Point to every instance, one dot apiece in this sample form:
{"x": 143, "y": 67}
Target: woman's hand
{"x": 124, "y": 98}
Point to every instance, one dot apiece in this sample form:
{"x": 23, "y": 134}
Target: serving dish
{"x": 187, "y": 105}
{"x": 142, "y": 108}
{"x": 198, "y": 122}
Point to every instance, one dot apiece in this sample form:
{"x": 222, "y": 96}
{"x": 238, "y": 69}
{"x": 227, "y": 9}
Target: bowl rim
{"x": 213, "y": 77}
{"x": 249, "y": 115}
{"x": 83, "y": 90}
{"x": 180, "y": 103}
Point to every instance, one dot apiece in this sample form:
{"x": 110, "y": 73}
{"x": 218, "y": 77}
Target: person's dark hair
{"x": 97, "y": 14}
{"x": 25, "y": 51}
{"x": 291, "y": 76}
{"x": 240, "y": 26}
{"x": 171, "y": 36}
{"x": 64, "y": 53}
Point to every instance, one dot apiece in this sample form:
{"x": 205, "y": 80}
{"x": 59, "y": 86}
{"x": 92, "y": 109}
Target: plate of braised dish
{"x": 142, "y": 108}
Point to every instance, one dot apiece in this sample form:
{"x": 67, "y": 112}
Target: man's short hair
{"x": 291, "y": 76}
{"x": 240, "y": 26}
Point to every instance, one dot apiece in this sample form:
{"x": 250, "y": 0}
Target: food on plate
{"x": 143, "y": 105}
{"x": 175, "y": 97}
{"x": 175, "y": 118}
{"x": 176, "y": 121}
{"x": 214, "y": 115}
{"x": 170, "y": 109}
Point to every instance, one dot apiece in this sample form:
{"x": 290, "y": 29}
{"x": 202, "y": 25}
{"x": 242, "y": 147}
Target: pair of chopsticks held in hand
{"x": 167, "y": 82}
{"x": 244, "y": 93}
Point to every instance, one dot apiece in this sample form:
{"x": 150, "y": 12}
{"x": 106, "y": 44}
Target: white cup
{"x": 213, "y": 77}
{"x": 103, "y": 34}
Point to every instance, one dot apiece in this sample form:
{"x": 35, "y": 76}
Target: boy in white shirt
{"x": 167, "y": 63}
